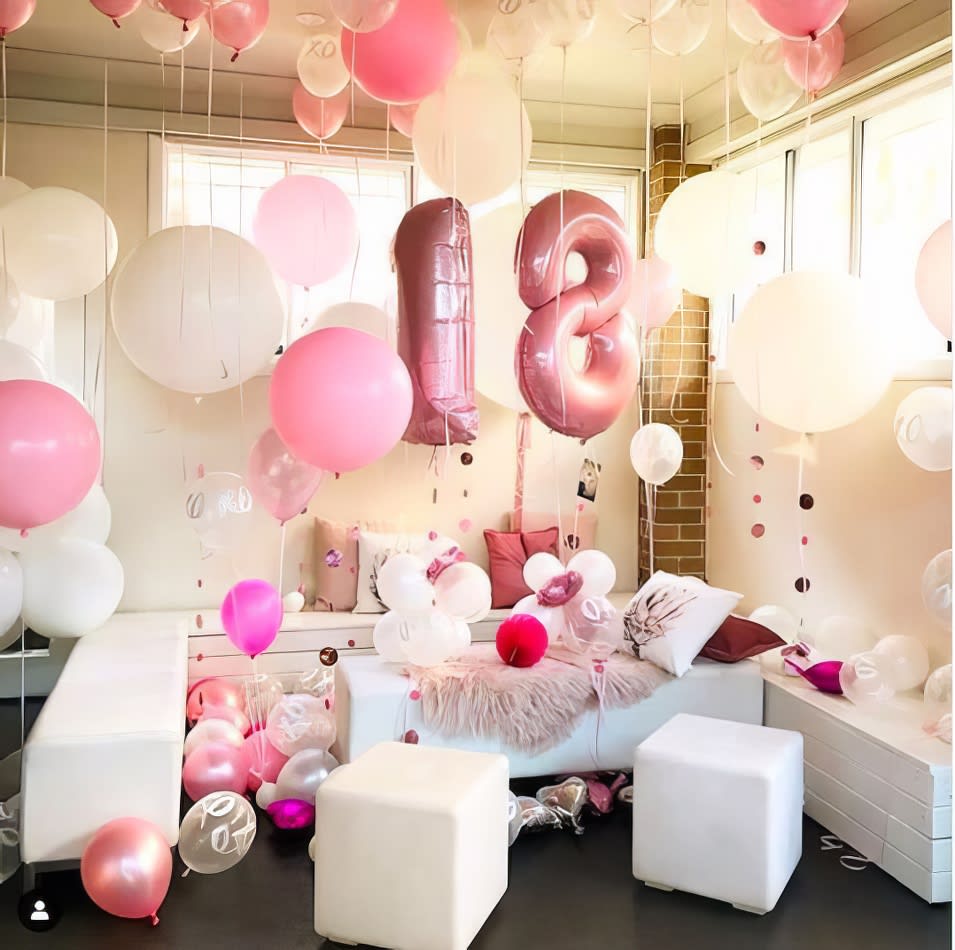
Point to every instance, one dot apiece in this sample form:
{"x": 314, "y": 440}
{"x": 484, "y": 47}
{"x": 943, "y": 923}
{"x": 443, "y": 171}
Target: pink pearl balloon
{"x": 126, "y": 868}
{"x": 402, "y": 118}
{"x": 14, "y": 13}
{"x": 235, "y": 716}
{"x": 251, "y": 615}
{"x": 238, "y": 24}
{"x": 213, "y": 692}
{"x": 933, "y": 279}
{"x": 265, "y": 761}
{"x": 410, "y": 57}
{"x": 799, "y": 18}
{"x": 215, "y": 767}
{"x": 307, "y": 229}
{"x": 655, "y": 293}
{"x": 813, "y": 64}
{"x": 212, "y": 730}
{"x": 340, "y": 399}
{"x": 282, "y": 484}
{"x": 321, "y": 118}
{"x": 49, "y": 453}
{"x": 115, "y": 9}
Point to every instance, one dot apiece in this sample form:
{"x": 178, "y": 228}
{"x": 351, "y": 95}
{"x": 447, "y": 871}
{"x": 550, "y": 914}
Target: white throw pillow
{"x": 670, "y": 619}
{"x": 375, "y": 548}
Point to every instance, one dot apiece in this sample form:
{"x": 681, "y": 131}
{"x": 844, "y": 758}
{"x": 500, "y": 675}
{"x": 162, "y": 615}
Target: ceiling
{"x": 59, "y": 56}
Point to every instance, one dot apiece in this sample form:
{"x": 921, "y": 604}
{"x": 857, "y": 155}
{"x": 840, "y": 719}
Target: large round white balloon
{"x": 17, "y": 362}
{"x": 703, "y": 233}
{"x": 71, "y": 587}
{"x": 430, "y": 639}
{"x": 472, "y": 138}
{"x": 683, "y": 28}
{"x": 197, "y": 309}
{"x": 937, "y": 588}
{"x": 809, "y": 352}
{"x": 656, "y": 453}
{"x": 359, "y": 316}
{"x": 747, "y": 24}
{"x": 778, "y": 619}
{"x": 11, "y": 188}
{"x": 923, "y": 427}
{"x": 320, "y": 65}
{"x": 838, "y": 638}
{"x": 764, "y": 85}
{"x": 11, "y": 590}
{"x": 463, "y": 591}
{"x": 541, "y": 568}
{"x": 402, "y": 584}
{"x": 59, "y": 243}
{"x": 90, "y": 520}
{"x": 597, "y": 570}
{"x": 514, "y": 33}
{"x": 164, "y": 32}
{"x": 907, "y": 661}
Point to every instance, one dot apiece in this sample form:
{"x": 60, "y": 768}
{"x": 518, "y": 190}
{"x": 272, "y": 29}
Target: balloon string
{"x": 803, "y": 451}
{"x": 523, "y": 444}
{"x": 354, "y": 50}
{"x": 560, "y": 239}
{"x": 182, "y": 239}
{"x": 182, "y": 82}
{"x": 387, "y": 131}
{"x": 3, "y": 66}
{"x": 643, "y": 337}
{"x": 679, "y": 375}
{"x": 238, "y": 269}
{"x": 101, "y": 349}
{"x": 520, "y": 126}
{"x": 650, "y": 496}
{"x": 560, "y": 530}
{"x": 598, "y": 679}
{"x": 281, "y": 557}
{"x": 726, "y": 82}
{"x": 354, "y": 267}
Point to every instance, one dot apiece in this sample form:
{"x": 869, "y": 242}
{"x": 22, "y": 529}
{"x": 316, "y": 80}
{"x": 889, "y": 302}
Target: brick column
{"x": 679, "y": 528}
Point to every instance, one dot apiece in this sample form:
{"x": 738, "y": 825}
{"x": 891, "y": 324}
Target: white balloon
{"x": 163, "y": 32}
{"x": 656, "y": 453}
{"x": 551, "y": 617}
{"x": 540, "y": 568}
{"x": 364, "y": 16}
{"x": 473, "y": 138}
{"x": 265, "y": 795}
{"x": 703, "y": 232}
{"x": 597, "y": 570}
{"x": 937, "y": 699}
{"x": 640, "y": 11}
{"x": 747, "y": 24}
{"x": 403, "y": 585}
{"x": 359, "y": 316}
{"x": 463, "y": 591}
{"x": 565, "y": 21}
{"x": 9, "y": 301}
{"x": 937, "y": 588}
{"x": 777, "y": 619}
{"x": 764, "y": 85}
{"x": 462, "y": 637}
{"x": 838, "y": 638}
{"x": 683, "y": 28}
{"x": 17, "y": 362}
{"x": 293, "y": 602}
{"x": 429, "y": 639}
{"x": 71, "y": 586}
{"x": 387, "y": 638}
{"x": 212, "y": 730}
{"x": 864, "y": 679}
{"x": 90, "y": 520}
{"x": 923, "y": 428}
{"x": 303, "y": 773}
{"x": 183, "y": 332}
{"x": 515, "y": 34}
{"x": 59, "y": 243}
{"x": 809, "y": 352}
{"x": 321, "y": 67}
{"x": 907, "y": 658}
{"x": 11, "y": 590}
{"x": 219, "y": 508}
{"x": 11, "y": 188}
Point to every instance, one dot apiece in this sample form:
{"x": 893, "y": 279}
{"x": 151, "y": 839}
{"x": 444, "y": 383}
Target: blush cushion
{"x": 507, "y": 553}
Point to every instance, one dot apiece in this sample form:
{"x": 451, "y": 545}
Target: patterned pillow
{"x": 336, "y": 563}
{"x": 671, "y": 618}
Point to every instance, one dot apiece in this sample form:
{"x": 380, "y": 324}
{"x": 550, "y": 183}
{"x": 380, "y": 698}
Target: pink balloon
{"x": 279, "y": 482}
{"x": 238, "y": 24}
{"x": 800, "y": 18}
{"x": 251, "y": 616}
{"x": 432, "y": 253}
{"x": 215, "y": 767}
{"x": 321, "y": 118}
{"x": 116, "y": 9}
{"x": 49, "y": 453}
{"x": 213, "y": 692}
{"x": 14, "y": 13}
{"x": 402, "y": 118}
{"x": 185, "y": 10}
{"x": 655, "y": 294}
{"x": 576, "y": 402}
{"x": 933, "y": 279}
{"x": 307, "y": 229}
{"x": 265, "y": 761}
{"x": 340, "y": 398}
{"x": 813, "y": 63}
{"x": 126, "y": 868}
{"x": 410, "y": 57}
{"x": 228, "y": 714}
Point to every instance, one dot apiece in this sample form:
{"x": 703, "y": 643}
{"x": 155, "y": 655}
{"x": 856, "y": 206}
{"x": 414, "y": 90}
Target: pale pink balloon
{"x": 410, "y": 57}
{"x": 402, "y": 118}
{"x": 212, "y": 730}
{"x": 238, "y": 24}
{"x": 14, "y": 13}
{"x": 116, "y": 9}
{"x": 321, "y": 118}
{"x": 933, "y": 279}
{"x": 185, "y": 10}
{"x": 282, "y": 484}
{"x": 307, "y": 229}
{"x": 340, "y": 398}
{"x": 265, "y": 761}
{"x": 126, "y": 868}
{"x": 655, "y": 293}
{"x": 230, "y": 714}
{"x": 215, "y": 767}
{"x": 49, "y": 453}
{"x": 213, "y": 692}
{"x": 799, "y": 18}
{"x": 813, "y": 63}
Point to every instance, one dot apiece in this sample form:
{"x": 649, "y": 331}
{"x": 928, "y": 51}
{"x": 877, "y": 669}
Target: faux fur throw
{"x": 478, "y": 696}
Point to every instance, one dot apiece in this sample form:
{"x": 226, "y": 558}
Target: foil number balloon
{"x": 576, "y": 402}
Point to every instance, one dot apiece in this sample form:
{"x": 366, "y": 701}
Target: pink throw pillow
{"x": 508, "y": 552}
{"x": 336, "y": 565}
{"x": 584, "y": 538}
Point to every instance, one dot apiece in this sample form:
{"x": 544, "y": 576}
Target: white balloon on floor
{"x": 59, "y": 243}
{"x": 197, "y": 309}
{"x": 11, "y": 590}
{"x": 17, "y": 362}
{"x": 809, "y": 352}
{"x": 656, "y": 453}
{"x": 923, "y": 428}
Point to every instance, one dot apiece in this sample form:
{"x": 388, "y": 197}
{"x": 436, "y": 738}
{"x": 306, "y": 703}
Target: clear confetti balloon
{"x": 907, "y": 661}
{"x": 866, "y": 679}
{"x": 937, "y": 719}
{"x": 937, "y": 588}
{"x": 364, "y": 16}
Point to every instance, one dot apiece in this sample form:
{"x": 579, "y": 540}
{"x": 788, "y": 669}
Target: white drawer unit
{"x": 874, "y": 779}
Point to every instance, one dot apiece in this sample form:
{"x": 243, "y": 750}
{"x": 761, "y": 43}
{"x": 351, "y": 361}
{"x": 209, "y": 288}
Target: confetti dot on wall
{"x": 756, "y": 461}
{"x": 802, "y": 584}
{"x": 351, "y": 643}
{"x": 758, "y": 530}
{"x": 806, "y": 501}
{"x": 199, "y": 621}
{"x": 757, "y": 427}
{"x": 759, "y": 248}
{"x": 466, "y": 458}
{"x": 465, "y": 525}
{"x": 757, "y": 499}
{"x": 805, "y": 540}
{"x": 411, "y": 737}
{"x": 432, "y": 535}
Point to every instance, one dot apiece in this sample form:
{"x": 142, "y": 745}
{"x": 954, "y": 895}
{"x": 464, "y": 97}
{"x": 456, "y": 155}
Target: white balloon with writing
{"x": 217, "y": 832}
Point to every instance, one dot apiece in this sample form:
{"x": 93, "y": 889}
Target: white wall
{"x": 876, "y": 522}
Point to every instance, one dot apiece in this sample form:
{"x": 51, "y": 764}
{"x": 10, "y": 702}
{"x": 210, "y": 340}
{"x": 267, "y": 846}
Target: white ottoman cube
{"x": 717, "y": 810}
{"x": 411, "y": 847}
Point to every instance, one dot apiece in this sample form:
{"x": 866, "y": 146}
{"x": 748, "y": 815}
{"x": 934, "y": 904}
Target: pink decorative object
{"x": 576, "y": 402}
{"x": 290, "y": 814}
{"x": 282, "y": 484}
{"x": 410, "y": 57}
{"x": 49, "y": 453}
{"x": 126, "y": 868}
{"x": 238, "y": 24}
{"x": 116, "y": 9}
{"x": 508, "y": 552}
{"x": 800, "y": 18}
{"x": 560, "y": 589}
{"x": 228, "y": 713}
{"x": 402, "y": 118}
{"x": 933, "y": 278}
{"x": 215, "y": 767}
{"x": 340, "y": 399}
{"x": 521, "y": 640}
{"x": 813, "y": 63}
{"x": 251, "y": 616}
{"x": 321, "y": 118}
{"x": 213, "y": 692}
{"x": 824, "y": 676}
{"x": 655, "y": 293}
{"x": 13, "y": 14}
{"x": 265, "y": 761}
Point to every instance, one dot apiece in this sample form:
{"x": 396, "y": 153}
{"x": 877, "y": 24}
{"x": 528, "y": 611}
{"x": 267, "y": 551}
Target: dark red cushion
{"x": 507, "y": 553}
{"x": 738, "y": 639}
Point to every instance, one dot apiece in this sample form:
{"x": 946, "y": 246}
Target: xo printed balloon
{"x": 218, "y": 505}
{"x": 217, "y": 832}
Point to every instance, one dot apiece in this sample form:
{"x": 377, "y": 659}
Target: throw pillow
{"x": 336, "y": 563}
{"x": 578, "y": 530}
{"x": 507, "y": 553}
{"x": 671, "y": 618}
{"x": 739, "y": 639}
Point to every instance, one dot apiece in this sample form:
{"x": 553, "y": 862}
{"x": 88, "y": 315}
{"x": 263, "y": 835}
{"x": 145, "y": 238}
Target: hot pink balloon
{"x": 185, "y": 10}
{"x": 800, "y": 18}
{"x": 321, "y": 118}
{"x": 436, "y": 321}
{"x": 576, "y": 402}
{"x": 265, "y": 761}
{"x": 655, "y": 293}
{"x": 933, "y": 279}
{"x": 213, "y": 692}
{"x": 410, "y": 57}
{"x": 49, "y": 453}
{"x": 340, "y": 399}
{"x": 814, "y": 63}
{"x": 282, "y": 484}
{"x": 402, "y": 118}
{"x": 126, "y": 868}
{"x": 251, "y": 615}
{"x": 215, "y": 767}
{"x": 238, "y": 24}
{"x": 116, "y": 9}
{"x": 14, "y": 13}
{"x": 307, "y": 229}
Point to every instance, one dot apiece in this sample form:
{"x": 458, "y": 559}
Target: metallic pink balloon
{"x": 436, "y": 321}
{"x": 290, "y": 814}
{"x": 215, "y": 767}
{"x": 576, "y": 402}
{"x": 238, "y": 24}
{"x": 126, "y": 868}
{"x": 813, "y": 63}
{"x": 213, "y": 692}
{"x": 282, "y": 484}
{"x": 321, "y": 118}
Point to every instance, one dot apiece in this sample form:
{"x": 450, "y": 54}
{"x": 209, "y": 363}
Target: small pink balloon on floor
{"x": 321, "y": 118}
{"x": 933, "y": 279}
{"x": 215, "y": 767}
{"x": 282, "y": 484}
{"x": 13, "y": 14}
{"x": 814, "y": 63}
{"x": 251, "y": 615}
{"x": 238, "y": 24}
{"x": 116, "y": 9}
{"x": 799, "y": 18}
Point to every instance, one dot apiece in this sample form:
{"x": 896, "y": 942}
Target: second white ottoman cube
{"x": 717, "y": 810}
{"x": 411, "y": 847}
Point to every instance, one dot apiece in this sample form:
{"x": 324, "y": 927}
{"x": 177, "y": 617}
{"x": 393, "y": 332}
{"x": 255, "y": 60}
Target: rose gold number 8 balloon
{"x": 576, "y": 402}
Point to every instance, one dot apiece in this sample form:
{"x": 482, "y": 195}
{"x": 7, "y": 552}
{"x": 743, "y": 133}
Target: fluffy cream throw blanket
{"x": 478, "y": 696}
